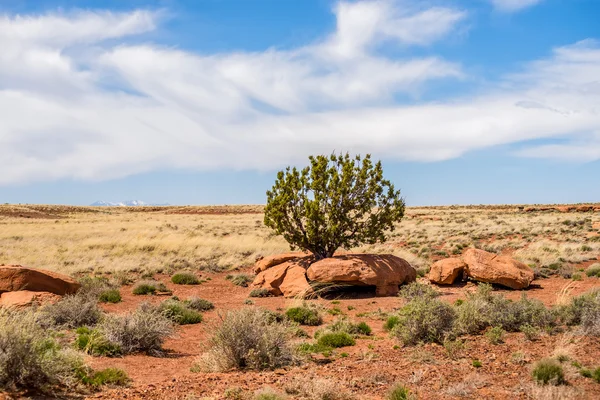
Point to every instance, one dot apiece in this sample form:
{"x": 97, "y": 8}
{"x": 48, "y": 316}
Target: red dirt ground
{"x": 371, "y": 367}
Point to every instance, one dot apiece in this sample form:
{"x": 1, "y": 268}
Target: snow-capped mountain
{"x": 128, "y": 203}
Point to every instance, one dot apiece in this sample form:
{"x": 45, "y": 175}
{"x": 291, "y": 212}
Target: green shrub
{"x": 583, "y": 310}
{"x": 71, "y": 311}
{"x": 335, "y": 339}
{"x": 110, "y": 296}
{"x": 424, "y": 320}
{"x": 304, "y": 315}
{"x": 248, "y": 338}
{"x": 477, "y": 363}
{"x": 596, "y": 375}
{"x": 548, "y": 371}
{"x": 531, "y": 332}
{"x": 93, "y": 342}
{"x": 30, "y": 358}
{"x": 198, "y": 304}
{"x": 416, "y": 290}
{"x": 593, "y": 270}
{"x": 391, "y": 322}
{"x": 242, "y": 280}
{"x": 149, "y": 287}
{"x": 352, "y": 328}
{"x": 310, "y": 348}
{"x": 326, "y": 216}
{"x": 495, "y": 335}
{"x": 259, "y": 293}
{"x": 185, "y": 278}
{"x": 107, "y": 377}
{"x": 399, "y": 392}
{"x": 267, "y": 394}
{"x": 143, "y": 330}
{"x": 179, "y": 313}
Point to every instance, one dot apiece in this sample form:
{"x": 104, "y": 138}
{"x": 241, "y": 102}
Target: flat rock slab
{"x": 271, "y": 261}
{"x": 16, "y": 278}
{"x": 386, "y": 272}
{"x": 25, "y": 298}
{"x": 445, "y": 272}
{"x": 492, "y": 268}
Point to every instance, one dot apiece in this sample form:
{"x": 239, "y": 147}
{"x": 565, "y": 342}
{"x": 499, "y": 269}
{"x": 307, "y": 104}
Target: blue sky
{"x": 201, "y": 102}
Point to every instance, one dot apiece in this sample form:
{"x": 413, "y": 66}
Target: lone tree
{"x": 337, "y": 201}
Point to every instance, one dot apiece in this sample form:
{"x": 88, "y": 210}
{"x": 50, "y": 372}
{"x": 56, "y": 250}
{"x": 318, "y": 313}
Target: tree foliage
{"x": 336, "y": 201}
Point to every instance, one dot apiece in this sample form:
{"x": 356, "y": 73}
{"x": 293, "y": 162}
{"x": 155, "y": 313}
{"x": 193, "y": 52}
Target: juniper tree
{"x": 336, "y": 201}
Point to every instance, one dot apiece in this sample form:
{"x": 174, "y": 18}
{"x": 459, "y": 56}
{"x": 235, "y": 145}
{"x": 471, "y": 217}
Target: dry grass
{"x": 168, "y": 239}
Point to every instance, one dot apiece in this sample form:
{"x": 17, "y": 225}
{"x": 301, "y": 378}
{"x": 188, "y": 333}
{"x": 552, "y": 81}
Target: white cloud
{"x": 513, "y": 5}
{"x": 61, "y": 116}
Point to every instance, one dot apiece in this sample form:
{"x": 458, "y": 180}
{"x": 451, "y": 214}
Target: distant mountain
{"x": 128, "y": 203}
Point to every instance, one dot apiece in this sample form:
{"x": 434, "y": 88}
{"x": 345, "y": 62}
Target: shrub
{"x": 92, "y": 341}
{"x": 315, "y": 388}
{"x": 259, "y": 293}
{"x": 424, "y": 320}
{"x": 391, "y": 322}
{"x": 185, "y": 278}
{"x": 107, "y": 377}
{"x": 248, "y": 338}
{"x": 149, "y": 287}
{"x": 581, "y": 308}
{"x": 110, "y": 296}
{"x": 337, "y": 201}
{"x": 483, "y": 309}
{"x": 29, "y": 356}
{"x": 400, "y": 392}
{"x": 593, "y": 270}
{"x": 548, "y": 371}
{"x": 196, "y": 303}
{"x": 531, "y": 332}
{"x": 267, "y": 394}
{"x": 495, "y": 335}
{"x": 71, "y": 311}
{"x": 179, "y": 313}
{"x": 143, "y": 330}
{"x": 596, "y": 375}
{"x": 416, "y": 290}
{"x": 310, "y": 348}
{"x": 476, "y": 364}
{"x": 242, "y": 280}
{"x": 351, "y": 328}
{"x": 304, "y": 315}
{"x": 335, "y": 339}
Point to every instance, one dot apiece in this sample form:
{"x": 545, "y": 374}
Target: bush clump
{"x": 93, "y": 342}
{"x": 593, "y": 270}
{"x": 424, "y": 320}
{"x": 248, "y": 339}
{"x": 185, "y": 278}
{"x": 72, "y": 311}
{"x": 149, "y": 287}
{"x": 351, "y": 328}
{"x": 110, "y": 296}
{"x": 143, "y": 330}
{"x": 400, "y": 392}
{"x": 548, "y": 371}
{"x": 391, "y": 322}
{"x": 29, "y": 356}
{"x": 583, "y": 310}
{"x": 259, "y": 293}
{"x": 242, "y": 280}
{"x": 304, "y": 315}
{"x": 180, "y": 313}
{"x": 198, "y": 304}
{"x": 335, "y": 339}
{"x": 106, "y": 377}
{"x": 416, "y": 290}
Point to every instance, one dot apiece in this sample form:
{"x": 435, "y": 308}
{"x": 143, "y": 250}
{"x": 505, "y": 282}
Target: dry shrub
{"x": 249, "y": 338}
{"x": 424, "y": 320}
{"x": 554, "y": 392}
{"x": 313, "y": 388}
{"x": 72, "y": 311}
{"x": 29, "y": 357}
{"x": 143, "y": 330}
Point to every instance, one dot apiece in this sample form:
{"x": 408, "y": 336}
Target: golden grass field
{"x": 77, "y": 240}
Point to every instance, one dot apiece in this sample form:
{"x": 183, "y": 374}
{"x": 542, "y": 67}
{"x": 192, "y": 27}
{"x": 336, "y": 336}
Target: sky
{"x": 203, "y": 101}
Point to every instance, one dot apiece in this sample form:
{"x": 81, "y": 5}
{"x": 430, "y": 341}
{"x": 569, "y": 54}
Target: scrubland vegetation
{"x": 170, "y": 290}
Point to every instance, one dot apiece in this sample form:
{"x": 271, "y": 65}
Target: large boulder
{"x": 385, "y": 272}
{"x": 492, "y": 268}
{"x": 24, "y": 298}
{"x": 287, "y": 279}
{"x": 271, "y": 261}
{"x": 15, "y": 278}
{"x": 445, "y": 272}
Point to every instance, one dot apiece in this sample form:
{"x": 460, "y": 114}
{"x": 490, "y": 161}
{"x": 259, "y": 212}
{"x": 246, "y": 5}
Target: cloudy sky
{"x": 202, "y": 101}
